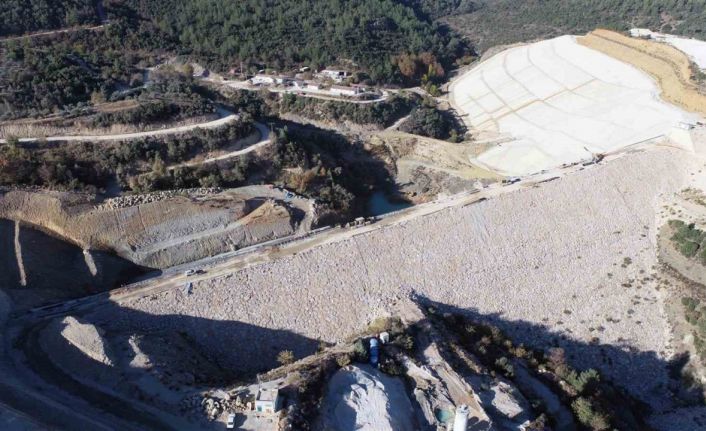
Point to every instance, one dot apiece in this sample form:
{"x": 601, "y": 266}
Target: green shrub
{"x": 428, "y": 121}
{"x": 583, "y": 380}
{"x": 588, "y": 416}
{"x": 343, "y": 360}
{"x": 689, "y": 240}
{"x": 690, "y": 303}
{"x": 689, "y": 248}
{"x": 360, "y": 352}
{"x": 405, "y": 341}
{"x": 285, "y": 357}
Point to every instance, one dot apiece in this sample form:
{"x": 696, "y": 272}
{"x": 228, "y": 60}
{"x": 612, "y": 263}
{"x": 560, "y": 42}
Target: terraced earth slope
{"x": 157, "y": 233}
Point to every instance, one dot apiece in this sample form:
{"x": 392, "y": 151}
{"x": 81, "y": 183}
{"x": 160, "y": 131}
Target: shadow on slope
{"x": 217, "y": 353}
{"x": 56, "y": 269}
{"x": 643, "y": 374}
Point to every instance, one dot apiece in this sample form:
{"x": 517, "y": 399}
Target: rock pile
{"x": 133, "y": 200}
{"x": 203, "y": 406}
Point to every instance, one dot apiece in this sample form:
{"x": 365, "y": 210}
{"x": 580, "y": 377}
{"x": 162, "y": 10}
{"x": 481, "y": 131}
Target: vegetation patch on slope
{"x": 23, "y": 16}
{"x": 287, "y": 33}
{"x": 689, "y": 240}
{"x": 500, "y": 22}
{"x": 91, "y": 166}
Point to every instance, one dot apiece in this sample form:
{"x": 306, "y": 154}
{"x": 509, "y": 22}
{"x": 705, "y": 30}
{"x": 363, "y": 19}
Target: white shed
{"x": 267, "y": 401}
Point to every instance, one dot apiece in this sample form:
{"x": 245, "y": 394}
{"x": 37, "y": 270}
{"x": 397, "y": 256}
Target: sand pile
{"x": 364, "y": 399}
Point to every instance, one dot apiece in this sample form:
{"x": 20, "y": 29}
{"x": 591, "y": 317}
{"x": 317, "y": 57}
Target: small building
{"x": 283, "y": 80}
{"x": 267, "y": 401}
{"x": 336, "y": 75}
{"x": 340, "y": 90}
{"x": 263, "y": 80}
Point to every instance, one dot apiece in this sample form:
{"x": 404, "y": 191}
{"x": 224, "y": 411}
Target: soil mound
{"x": 78, "y": 348}
{"x": 364, "y": 399}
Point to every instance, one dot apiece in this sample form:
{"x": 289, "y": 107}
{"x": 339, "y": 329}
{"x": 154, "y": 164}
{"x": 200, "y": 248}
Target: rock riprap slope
{"x": 570, "y": 262}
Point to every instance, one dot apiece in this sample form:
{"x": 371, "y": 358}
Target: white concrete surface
{"x": 562, "y": 102}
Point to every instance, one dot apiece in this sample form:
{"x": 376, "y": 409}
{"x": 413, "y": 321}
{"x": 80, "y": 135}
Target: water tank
{"x": 374, "y": 352}
{"x": 461, "y": 419}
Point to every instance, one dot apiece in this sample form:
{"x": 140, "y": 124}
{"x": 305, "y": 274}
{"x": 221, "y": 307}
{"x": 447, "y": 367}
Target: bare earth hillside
{"x": 156, "y": 233}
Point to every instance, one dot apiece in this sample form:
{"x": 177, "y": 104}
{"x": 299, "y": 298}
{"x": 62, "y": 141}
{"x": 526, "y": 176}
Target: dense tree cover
{"x": 327, "y": 167}
{"x": 496, "y": 22}
{"x": 22, "y": 16}
{"x": 153, "y": 111}
{"x": 387, "y": 40}
{"x": 36, "y": 81}
{"x": 596, "y": 403}
{"x": 382, "y": 114}
{"x": 171, "y": 96}
{"x": 42, "y": 75}
{"x": 312, "y": 162}
{"x": 88, "y": 166}
{"x": 338, "y": 173}
{"x": 428, "y": 121}
{"x": 286, "y": 33}
{"x": 434, "y": 9}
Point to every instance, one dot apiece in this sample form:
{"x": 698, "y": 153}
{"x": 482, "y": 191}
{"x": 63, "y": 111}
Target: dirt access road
{"x": 53, "y": 32}
{"x": 262, "y": 142}
{"x": 315, "y": 94}
{"x": 127, "y": 136}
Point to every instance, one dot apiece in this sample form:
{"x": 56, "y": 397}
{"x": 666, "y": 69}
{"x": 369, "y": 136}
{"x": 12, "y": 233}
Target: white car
{"x": 231, "y": 421}
{"x": 190, "y": 272}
